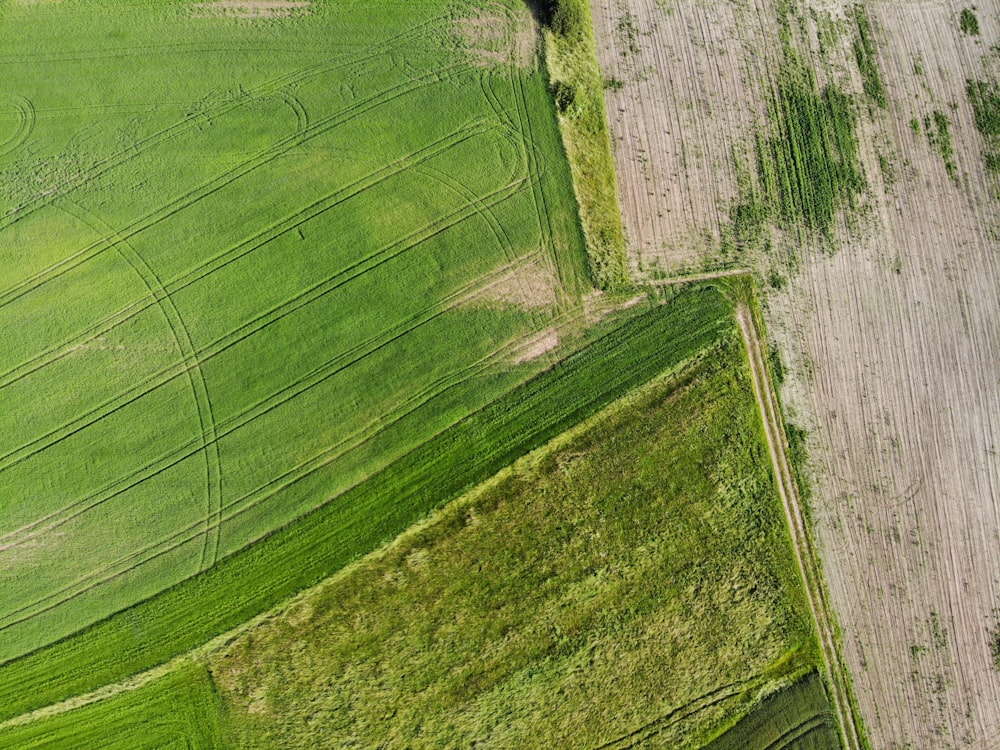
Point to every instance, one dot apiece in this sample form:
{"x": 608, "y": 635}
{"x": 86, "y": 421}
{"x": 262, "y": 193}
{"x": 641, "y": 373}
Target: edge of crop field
{"x": 360, "y": 519}
{"x": 840, "y": 687}
{"x": 578, "y": 89}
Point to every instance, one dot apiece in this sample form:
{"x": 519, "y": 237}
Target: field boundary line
{"x": 777, "y": 446}
{"x": 798, "y": 526}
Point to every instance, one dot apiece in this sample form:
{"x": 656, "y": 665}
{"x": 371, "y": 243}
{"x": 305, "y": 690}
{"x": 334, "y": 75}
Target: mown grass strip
{"x": 359, "y": 520}
{"x": 578, "y": 90}
{"x": 786, "y": 719}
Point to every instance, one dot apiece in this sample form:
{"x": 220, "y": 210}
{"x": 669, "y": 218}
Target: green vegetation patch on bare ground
{"x": 632, "y": 579}
{"x": 985, "y": 99}
{"x": 807, "y": 159}
{"x": 937, "y": 128}
{"x": 579, "y": 94}
{"x": 864, "y": 55}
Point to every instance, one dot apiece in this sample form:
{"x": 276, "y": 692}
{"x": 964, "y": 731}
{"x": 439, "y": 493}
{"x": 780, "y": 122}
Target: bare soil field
{"x": 889, "y": 335}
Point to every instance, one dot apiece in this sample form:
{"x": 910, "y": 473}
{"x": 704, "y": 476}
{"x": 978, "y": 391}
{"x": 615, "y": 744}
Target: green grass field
{"x": 247, "y": 263}
{"x": 280, "y": 280}
{"x": 574, "y": 599}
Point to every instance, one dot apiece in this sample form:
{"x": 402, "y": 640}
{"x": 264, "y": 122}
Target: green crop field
{"x": 291, "y": 290}
{"x": 246, "y": 263}
{"x": 574, "y": 599}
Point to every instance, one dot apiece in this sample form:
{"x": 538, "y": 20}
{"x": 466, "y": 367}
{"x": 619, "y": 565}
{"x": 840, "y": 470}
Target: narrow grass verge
{"x": 578, "y": 90}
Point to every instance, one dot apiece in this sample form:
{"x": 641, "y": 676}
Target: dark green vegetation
{"x": 993, "y": 636}
{"x": 370, "y": 513}
{"x": 807, "y": 165}
{"x": 575, "y": 600}
{"x": 797, "y": 718}
{"x": 985, "y": 99}
{"x": 578, "y": 89}
{"x": 864, "y": 55}
{"x": 937, "y": 127}
{"x": 179, "y": 711}
{"x": 968, "y": 22}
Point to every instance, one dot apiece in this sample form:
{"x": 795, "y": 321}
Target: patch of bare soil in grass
{"x": 253, "y": 8}
{"x": 503, "y": 37}
{"x": 528, "y": 285}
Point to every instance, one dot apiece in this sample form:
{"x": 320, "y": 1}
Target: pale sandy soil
{"x": 891, "y": 342}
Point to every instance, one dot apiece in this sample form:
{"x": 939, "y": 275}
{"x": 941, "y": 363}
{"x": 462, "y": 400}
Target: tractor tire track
{"x": 26, "y": 124}
{"x": 165, "y": 135}
{"x": 398, "y": 248}
{"x": 777, "y": 446}
{"x": 245, "y": 247}
{"x": 680, "y": 713}
{"x": 192, "y": 369}
{"x": 250, "y": 500}
{"x": 281, "y": 147}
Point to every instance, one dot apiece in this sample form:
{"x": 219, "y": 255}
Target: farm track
{"x": 777, "y": 444}
{"x": 338, "y": 280}
{"x": 195, "y": 377}
{"x": 26, "y": 124}
{"x": 250, "y": 500}
{"x": 281, "y": 147}
{"x": 244, "y": 248}
{"x": 275, "y": 86}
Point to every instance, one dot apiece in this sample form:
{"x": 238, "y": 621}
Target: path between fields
{"x": 767, "y": 402}
{"x": 777, "y": 447}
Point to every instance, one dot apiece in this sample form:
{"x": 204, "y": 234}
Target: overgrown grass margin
{"x": 578, "y": 90}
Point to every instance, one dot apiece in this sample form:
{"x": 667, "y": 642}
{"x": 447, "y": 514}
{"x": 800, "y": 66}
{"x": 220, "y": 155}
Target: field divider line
{"x": 167, "y": 134}
{"x": 255, "y": 497}
{"x": 185, "y": 347}
{"x": 226, "y": 178}
{"x": 251, "y": 327}
{"x": 245, "y": 247}
{"x": 798, "y": 527}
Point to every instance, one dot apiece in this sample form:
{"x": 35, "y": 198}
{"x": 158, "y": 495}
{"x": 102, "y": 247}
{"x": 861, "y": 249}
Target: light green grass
{"x": 632, "y": 578}
{"x": 369, "y": 514}
{"x": 238, "y": 267}
{"x": 579, "y": 93}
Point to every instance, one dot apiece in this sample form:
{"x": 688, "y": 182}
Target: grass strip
{"x": 578, "y": 89}
{"x": 318, "y": 544}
